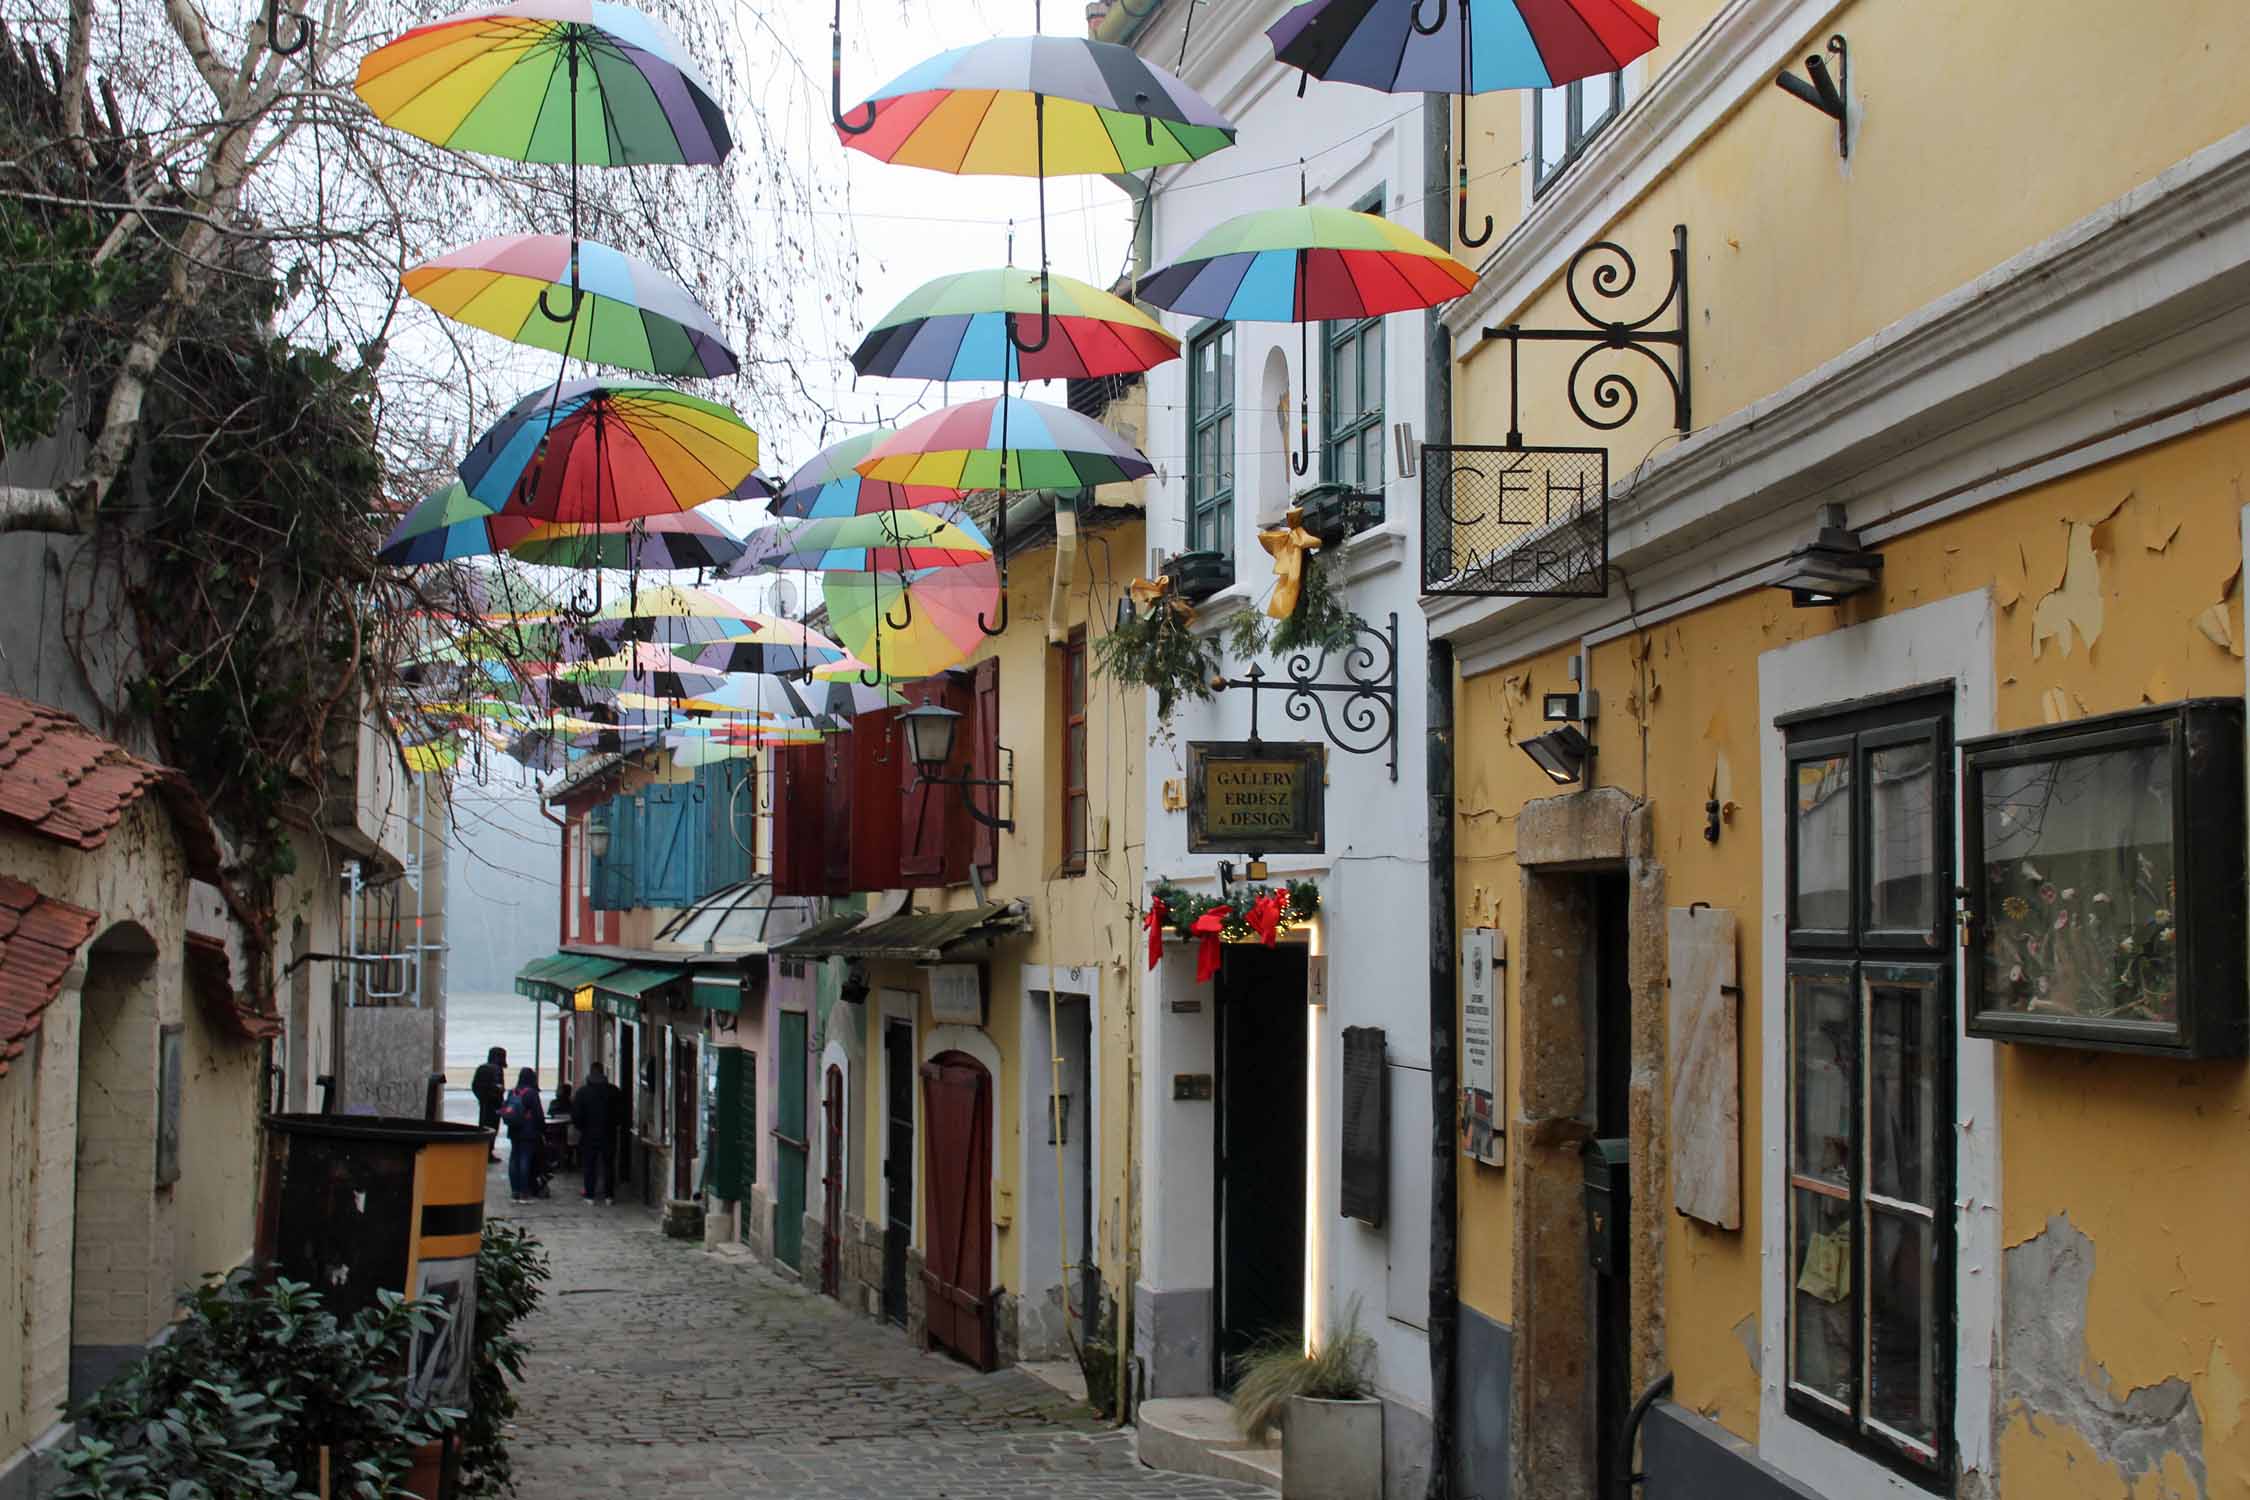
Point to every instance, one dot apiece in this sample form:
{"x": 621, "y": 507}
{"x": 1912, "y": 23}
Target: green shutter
{"x": 726, "y": 1168}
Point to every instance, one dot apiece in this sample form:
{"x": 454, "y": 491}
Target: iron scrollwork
{"x": 1364, "y": 719}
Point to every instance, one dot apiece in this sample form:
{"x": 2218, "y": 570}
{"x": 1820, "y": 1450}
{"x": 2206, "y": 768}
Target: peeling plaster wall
{"x": 2117, "y": 586}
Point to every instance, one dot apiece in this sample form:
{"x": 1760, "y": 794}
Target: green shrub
{"x": 1280, "y": 1368}
{"x": 510, "y": 1269}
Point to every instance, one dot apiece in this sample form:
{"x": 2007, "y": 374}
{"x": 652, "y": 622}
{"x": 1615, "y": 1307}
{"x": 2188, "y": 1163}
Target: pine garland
{"x": 1182, "y": 908}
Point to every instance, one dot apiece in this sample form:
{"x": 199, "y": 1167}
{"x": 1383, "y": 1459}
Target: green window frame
{"x": 1351, "y": 425}
{"x": 1564, "y": 122}
{"x": 1210, "y": 512}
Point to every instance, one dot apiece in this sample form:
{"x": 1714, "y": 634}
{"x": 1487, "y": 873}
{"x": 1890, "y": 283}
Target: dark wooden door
{"x": 683, "y": 1116}
{"x": 1609, "y": 1036}
{"x": 898, "y": 1164}
{"x": 957, "y": 1257}
{"x": 1261, "y": 1150}
{"x": 792, "y": 1144}
{"x": 832, "y": 1184}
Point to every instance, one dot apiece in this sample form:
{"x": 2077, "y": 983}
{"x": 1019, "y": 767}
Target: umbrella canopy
{"x": 774, "y": 645}
{"x": 652, "y": 544}
{"x": 563, "y": 81}
{"x": 942, "y": 620}
{"x": 1306, "y": 264}
{"x": 896, "y": 540}
{"x": 957, "y": 328}
{"x": 594, "y": 452}
{"x": 1510, "y": 44}
{"x": 627, "y": 312}
{"x": 976, "y": 110}
{"x": 1004, "y": 442}
{"x": 656, "y": 671}
{"x": 829, "y": 484}
{"x": 450, "y": 523}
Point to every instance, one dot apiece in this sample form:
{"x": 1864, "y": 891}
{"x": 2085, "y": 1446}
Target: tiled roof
{"x": 62, "y": 781}
{"x": 39, "y": 940}
{"x": 211, "y": 972}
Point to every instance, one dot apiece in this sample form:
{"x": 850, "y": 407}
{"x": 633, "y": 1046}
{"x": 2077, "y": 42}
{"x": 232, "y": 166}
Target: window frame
{"x": 1863, "y": 958}
{"x": 1337, "y": 335}
{"x": 1074, "y": 793}
{"x": 1210, "y": 522}
{"x": 1578, "y": 132}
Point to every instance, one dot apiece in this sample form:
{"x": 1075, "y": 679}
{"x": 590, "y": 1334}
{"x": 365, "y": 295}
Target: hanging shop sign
{"x": 1257, "y": 797}
{"x": 1483, "y": 1136}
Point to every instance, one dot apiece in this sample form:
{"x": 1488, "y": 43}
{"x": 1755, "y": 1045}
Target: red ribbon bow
{"x": 1208, "y": 927}
{"x": 1154, "y": 922}
{"x": 1264, "y": 916}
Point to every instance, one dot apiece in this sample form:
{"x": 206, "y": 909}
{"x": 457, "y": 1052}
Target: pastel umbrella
{"x": 654, "y": 670}
{"x": 447, "y": 524}
{"x": 1303, "y": 265}
{"x": 593, "y": 452}
{"x": 1005, "y": 443}
{"x": 894, "y": 539}
{"x": 561, "y": 81}
{"x": 775, "y": 645}
{"x": 653, "y": 544}
{"x": 830, "y": 484}
{"x": 1462, "y": 47}
{"x": 627, "y": 312}
{"x": 943, "y": 609}
{"x": 961, "y": 327}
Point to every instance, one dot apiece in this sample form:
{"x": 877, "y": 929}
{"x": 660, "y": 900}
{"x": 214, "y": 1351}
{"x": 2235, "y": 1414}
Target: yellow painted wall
{"x": 2148, "y": 1158}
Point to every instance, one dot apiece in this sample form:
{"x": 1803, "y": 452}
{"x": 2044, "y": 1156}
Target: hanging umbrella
{"x": 1305, "y": 265}
{"x": 829, "y": 484}
{"x": 1005, "y": 443}
{"x": 653, "y": 544}
{"x": 450, "y": 523}
{"x": 596, "y": 452}
{"x": 775, "y": 645}
{"x": 654, "y": 670}
{"x": 627, "y": 312}
{"x": 889, "y": 539}
{"x": 1461, "y": 47}
{"x": 959, "y": 328}
{"x": 942, "y": 608}
{"x": 560, "y": 81}
{"x": 847, "y": 698}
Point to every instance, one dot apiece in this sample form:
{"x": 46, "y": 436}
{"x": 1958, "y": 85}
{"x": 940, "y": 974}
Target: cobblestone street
{"x": 658, "y": 1368}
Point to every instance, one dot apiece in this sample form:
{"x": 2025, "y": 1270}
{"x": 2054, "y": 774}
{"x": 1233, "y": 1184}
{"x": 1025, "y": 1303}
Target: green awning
{"x": 916, "y": 937}
{"x": 621, "y": 991}
{"x": 719, "y": 991}
{"x": 555, "y": 978}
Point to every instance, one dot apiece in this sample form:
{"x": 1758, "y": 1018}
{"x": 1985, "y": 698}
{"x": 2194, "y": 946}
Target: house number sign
{"x": 1257, "y": 797}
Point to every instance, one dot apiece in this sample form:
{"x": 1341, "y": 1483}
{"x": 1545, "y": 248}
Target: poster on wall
{"x": 439, "y": 1365}
{"x": 1483, "y": 1135}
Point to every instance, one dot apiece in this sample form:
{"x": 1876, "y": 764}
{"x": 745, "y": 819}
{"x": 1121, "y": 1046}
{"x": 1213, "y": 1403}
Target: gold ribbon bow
{"x": 1289, "y": 543}
{"x": 1148, "y": 594}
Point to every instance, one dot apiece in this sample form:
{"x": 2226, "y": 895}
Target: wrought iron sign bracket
{"x": 1366, "y": 717}
{"x": 1830, "y": 95}
{"x": 1613, "y": 393}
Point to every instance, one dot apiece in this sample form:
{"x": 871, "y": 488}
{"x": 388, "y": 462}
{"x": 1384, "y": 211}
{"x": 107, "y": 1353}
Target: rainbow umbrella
{"x": 898, "y": 540}
{"x": 774, "y": 645}
{"x": 656, "y": 544}
{"x": 449, "y": 523}
{"x": 829, "y": 484}
{"x": 1005, "y": 443}
{"x": 961, "y": 328}
{"x": 944, "y": 609}
{"x": 1461, "y": 49}
{"x": 624, "y": 310}
{"x": 593, "y": 452}
{"x": 561, "y": 81}
{"x": 1305, "y": 265}
{"x": 656, "y": 671}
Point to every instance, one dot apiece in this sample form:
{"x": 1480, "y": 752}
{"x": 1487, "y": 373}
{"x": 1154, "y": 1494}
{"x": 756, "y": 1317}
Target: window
{"x": 1074, "y": 753}
{"x": 1211, "y": 440}
{"x": 1870, "y": 1028}
{"x": 1351, "y": 384}
{"x": 1564, "y": 120}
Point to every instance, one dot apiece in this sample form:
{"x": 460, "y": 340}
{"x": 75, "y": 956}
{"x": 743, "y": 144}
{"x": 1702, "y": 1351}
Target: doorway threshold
{"x": 1198, "y": 1435}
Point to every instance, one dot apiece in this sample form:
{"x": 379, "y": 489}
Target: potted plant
{"x": 1196, "y": 576}
{"x": 1336, "y": 511}
{"x": 1324, "y": 1400}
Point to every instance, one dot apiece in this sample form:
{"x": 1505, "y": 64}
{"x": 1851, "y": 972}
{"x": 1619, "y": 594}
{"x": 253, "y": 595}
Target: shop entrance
{"x": 1260, "y": 1145}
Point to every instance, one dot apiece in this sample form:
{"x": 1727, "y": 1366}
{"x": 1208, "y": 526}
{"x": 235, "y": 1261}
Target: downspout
{"x": 1445, "y": 1161}
{"x": 562, "y": 907}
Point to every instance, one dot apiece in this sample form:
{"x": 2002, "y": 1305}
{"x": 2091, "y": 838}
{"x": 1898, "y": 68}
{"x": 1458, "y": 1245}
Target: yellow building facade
{"x": 1880, "y": 1238}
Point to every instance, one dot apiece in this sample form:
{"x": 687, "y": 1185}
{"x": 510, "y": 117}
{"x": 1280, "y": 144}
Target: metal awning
{"x": 916, "y": 937}
{"x": 620, "y": 992}
{"x": 558, "y": 976}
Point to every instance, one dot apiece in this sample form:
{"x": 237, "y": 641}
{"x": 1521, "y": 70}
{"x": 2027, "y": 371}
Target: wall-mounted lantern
{"x": 1562, "y": 753}
{"x": 930, "y": 734}
{"x": 1831, "y": 567}
{"x": 597, "y": 833}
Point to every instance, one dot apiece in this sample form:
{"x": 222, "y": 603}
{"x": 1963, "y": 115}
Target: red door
{"x": 832, "y": 1184}
{"x": 957, "y": 1260}
{"x": 683, "y": 1116}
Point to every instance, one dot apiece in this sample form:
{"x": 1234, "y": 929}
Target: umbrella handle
{"x": 274, "y": 13}
{"x": 1461, "y": 233}
{"x": 1002, "y": 627}
{"x": 568, "y": 314}
{"x": 1433, "y": 27}
{"x": 1301, "y": 460}
{"x": 1046, "y": 322}
{"x": 1046, "y": 286}
{"x": 836, "y": 81}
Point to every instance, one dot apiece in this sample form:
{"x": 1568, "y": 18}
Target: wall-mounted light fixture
{"x": 1563, "y": 753}
{"x": 597, "y": 832}
{"x": 1831, "y": 567}
{"x": 1576, "y": 707}
{"x": 930, "y": 733}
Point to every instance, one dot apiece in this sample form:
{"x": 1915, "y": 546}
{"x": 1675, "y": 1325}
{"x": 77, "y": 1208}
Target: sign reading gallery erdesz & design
{"x": 1257, "y": 797}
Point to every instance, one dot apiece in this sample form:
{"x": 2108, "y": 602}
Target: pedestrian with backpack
{"x": 527, "y": 1126}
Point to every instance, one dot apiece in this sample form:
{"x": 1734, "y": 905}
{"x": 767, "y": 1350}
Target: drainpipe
{"x": 562, "y": 907}
{"x": 1445, "y": 1282}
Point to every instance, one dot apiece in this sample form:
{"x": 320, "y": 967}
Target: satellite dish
{"x": 784, "y": 598}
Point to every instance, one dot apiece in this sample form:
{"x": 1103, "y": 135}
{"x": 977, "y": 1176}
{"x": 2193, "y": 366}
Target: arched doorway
{"x": 117, "y": 1300}
{"x": 957, "y": 1258}
{"x": 832, "y": 1182}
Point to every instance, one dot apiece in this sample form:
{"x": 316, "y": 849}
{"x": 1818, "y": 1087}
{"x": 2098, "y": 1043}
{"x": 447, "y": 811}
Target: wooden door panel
{"x": 957, "y": 1253}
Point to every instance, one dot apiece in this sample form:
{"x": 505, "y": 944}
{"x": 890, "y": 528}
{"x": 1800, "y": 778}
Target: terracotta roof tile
{"x": 211, "y": 971}
{"x": 34, "y": 957}
{"x": 62, "y": 781}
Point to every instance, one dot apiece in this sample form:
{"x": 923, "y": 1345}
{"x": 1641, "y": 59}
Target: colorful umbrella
{"x": 623, "y": 311}
{"x": 1304, "y": 265}
{"x": 449, "y": 523}
{"x": 654, "y": 670}
{"x": 1499, "y": 44}
{"x": 562, "y": 81}
{"x": 829, "y": 484}
{"x": 944, "y": 609}
{"x": 656, "y": 544}
{"x": 777, "y": 645}
{"x": 959, "y": 328}
{"x": 593, "y": 452}
{"x": 894, "y": 540}
{"x": 1005, "y": 443}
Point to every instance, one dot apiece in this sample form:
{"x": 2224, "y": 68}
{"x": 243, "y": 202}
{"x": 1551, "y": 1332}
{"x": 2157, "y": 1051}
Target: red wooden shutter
{"x": 921, "y": 843}
{"x": 799, "y": 820}
{"x": 960, "y": 828}
{"x": 876, "y": 803}
{"x": 836, "y": 813}
{"x": 984, "y": 765}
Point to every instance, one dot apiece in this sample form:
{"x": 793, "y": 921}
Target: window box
{"x": 1196, "y": 576}
{"x": 2105, "y": 882}
{"x": 1334, "y": 512}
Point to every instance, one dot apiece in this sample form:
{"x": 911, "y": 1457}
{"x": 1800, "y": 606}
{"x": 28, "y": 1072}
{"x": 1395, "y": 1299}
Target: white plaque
{"x": 1483, "y": 1044}
{"x": 957, "y": 994}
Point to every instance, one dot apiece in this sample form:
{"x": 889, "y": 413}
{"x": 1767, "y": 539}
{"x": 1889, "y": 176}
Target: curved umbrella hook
{"x": 304, "y": 37}
{"x": 836, "y": 81}
{"x": 864, "y": 679}
{"x": 1301, "y": 460}
{"x": 905, "y": 597}
{"x": 1433, "y": 27}
{"x": 1001, "y": 552}
{"x": 1046, "y": 290}
{"x": 1461, "y": 233}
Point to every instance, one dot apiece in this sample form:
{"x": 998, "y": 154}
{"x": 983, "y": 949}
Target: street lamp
{"x": 1831, "y": 567}
{"x": 597, "y": 833}
{"x": 930, "y": 734}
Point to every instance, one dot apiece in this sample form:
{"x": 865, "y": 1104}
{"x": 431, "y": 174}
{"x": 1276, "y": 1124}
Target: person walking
{"x": 527, "y": 1123}
{"x": 490, "y": 1085}
{"x": 594, "y": 1111}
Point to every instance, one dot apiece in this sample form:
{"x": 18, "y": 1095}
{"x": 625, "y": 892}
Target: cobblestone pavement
{"x": 660, "y": 1369}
